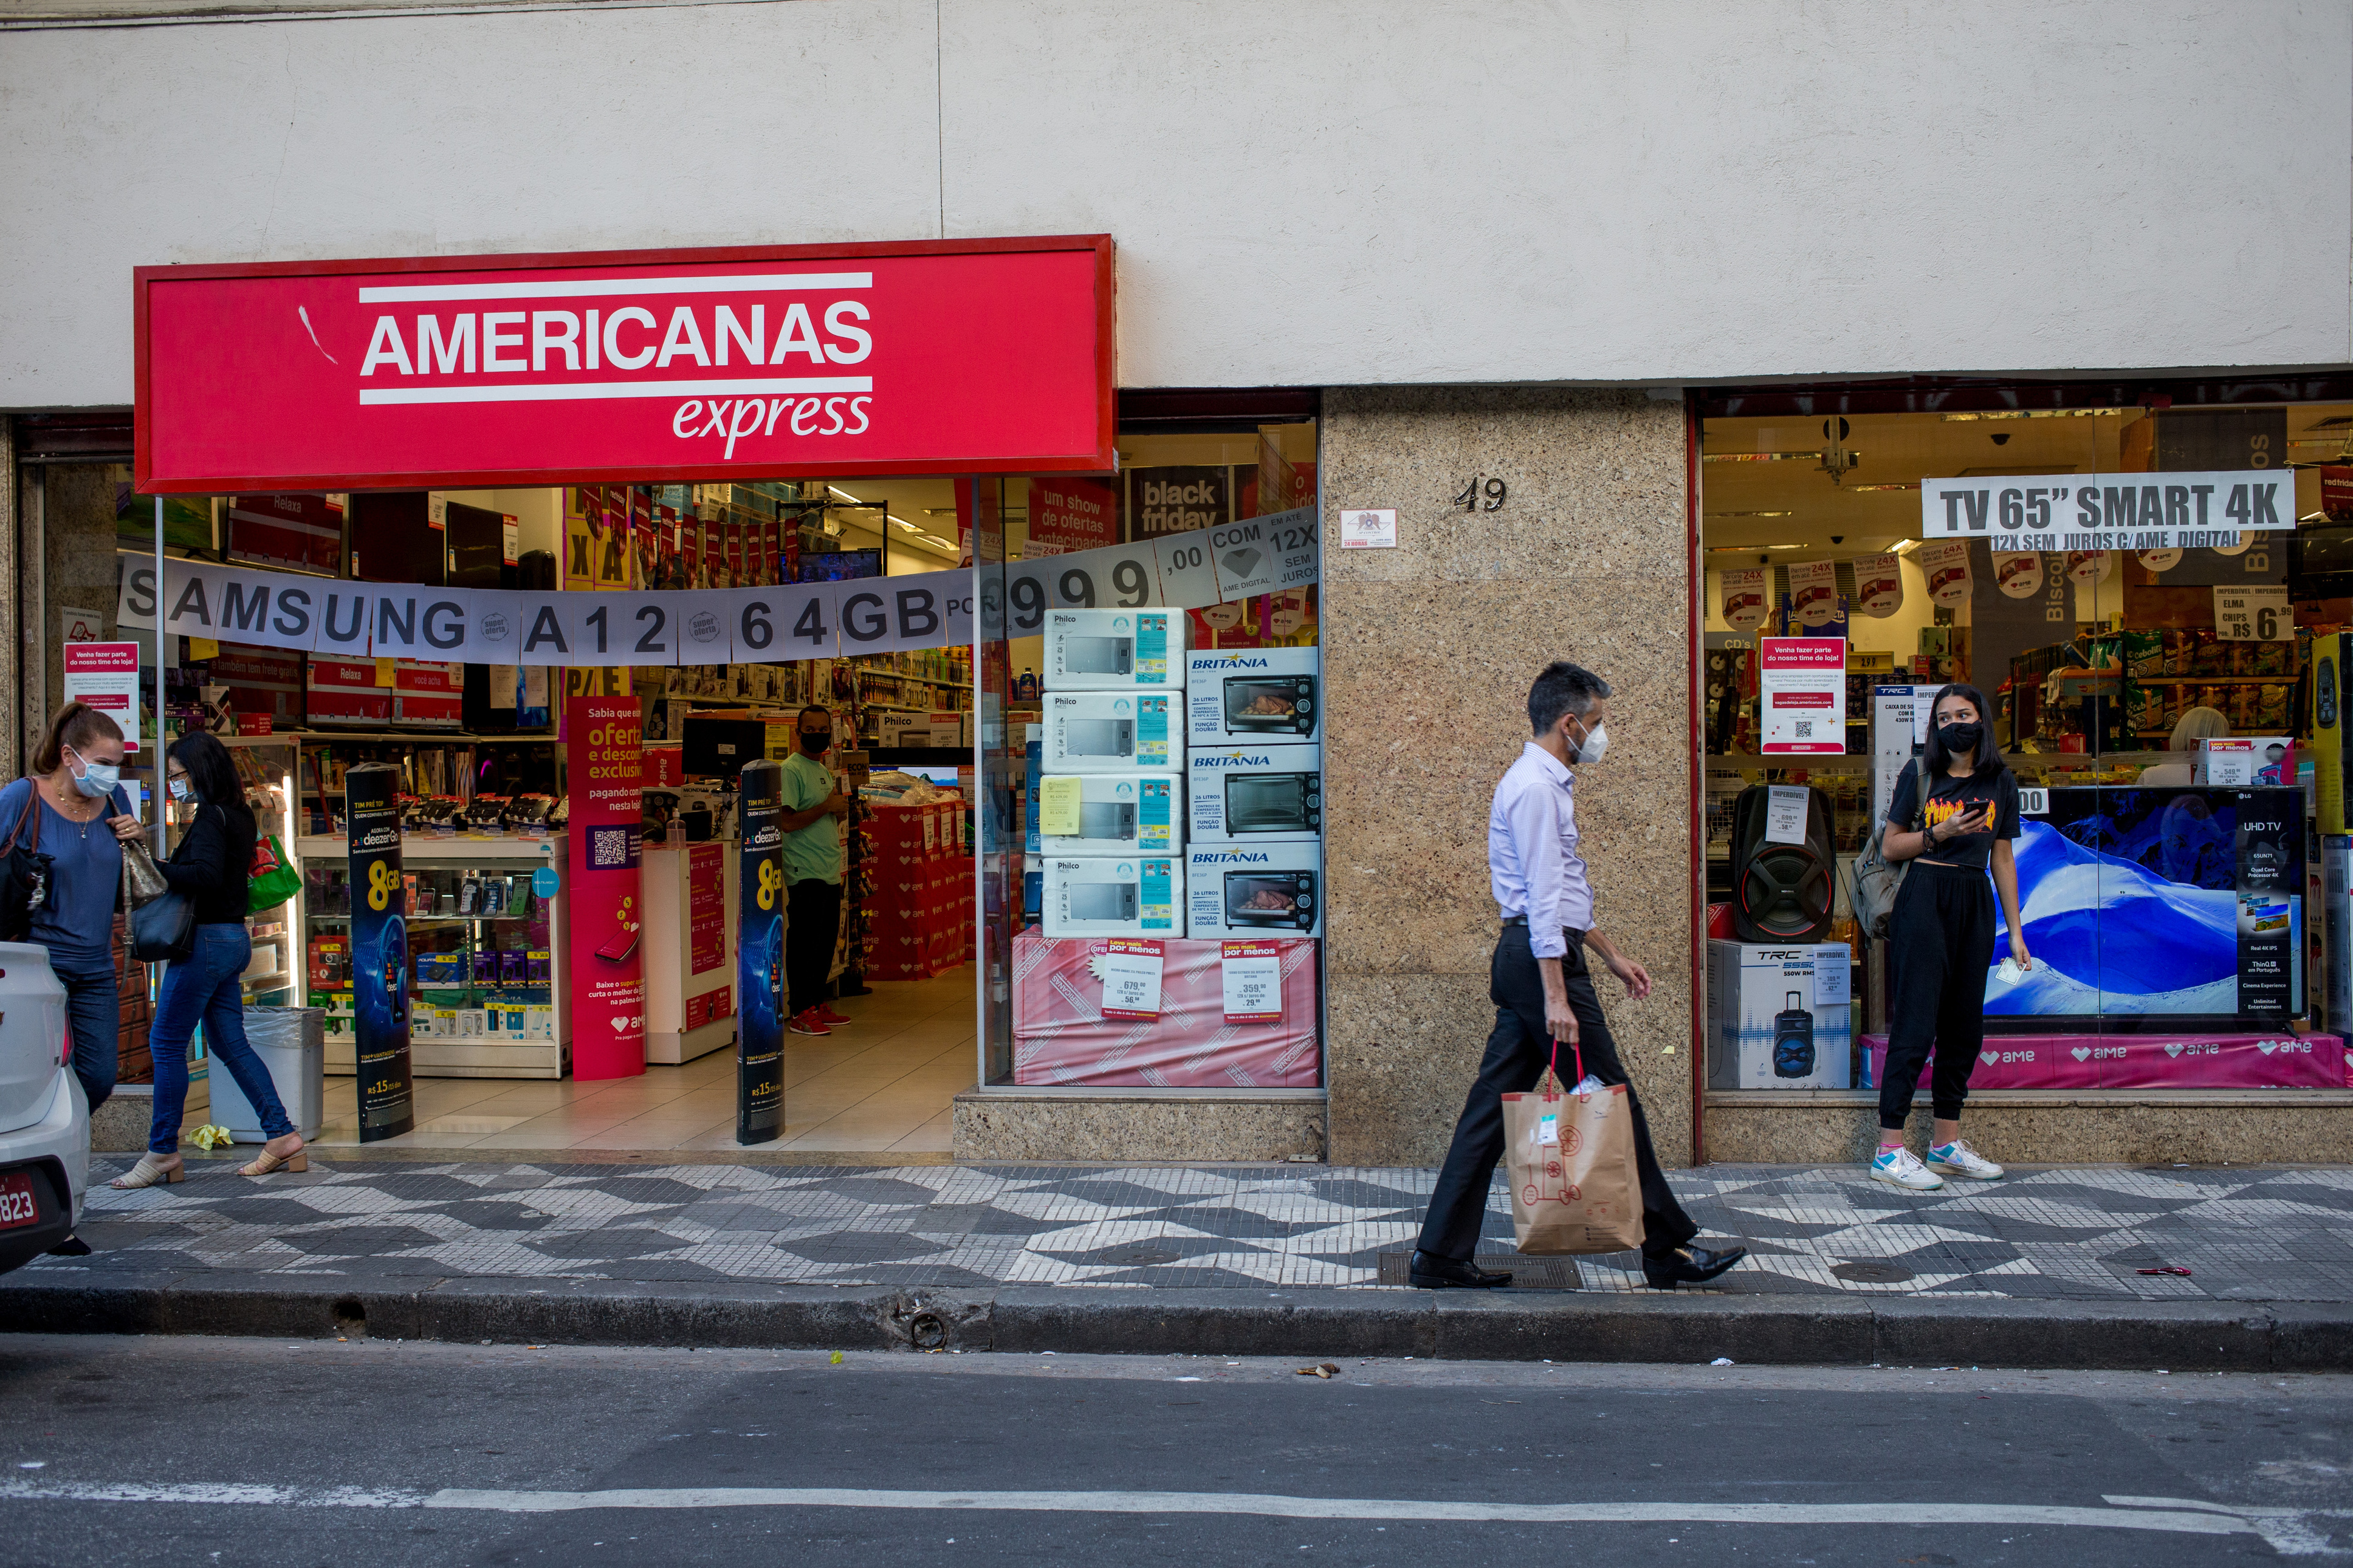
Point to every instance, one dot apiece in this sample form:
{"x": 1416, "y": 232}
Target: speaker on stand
{"x": 1782, "y": 893}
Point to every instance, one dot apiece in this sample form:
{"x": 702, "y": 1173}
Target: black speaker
{"x": 1781, "y": 893}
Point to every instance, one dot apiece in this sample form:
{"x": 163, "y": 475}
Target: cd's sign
{"x": 979, "y": 356}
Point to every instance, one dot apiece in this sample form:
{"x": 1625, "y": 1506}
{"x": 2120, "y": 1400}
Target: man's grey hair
{"x": 1563, "y": 687}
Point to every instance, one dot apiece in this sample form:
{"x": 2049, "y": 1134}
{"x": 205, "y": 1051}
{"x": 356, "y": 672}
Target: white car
{"x": 44, "y": 1118}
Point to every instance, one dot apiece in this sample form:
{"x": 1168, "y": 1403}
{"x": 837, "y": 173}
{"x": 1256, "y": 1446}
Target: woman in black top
{"x": 210, "y": 868}
{"x": 1940, "y": 932}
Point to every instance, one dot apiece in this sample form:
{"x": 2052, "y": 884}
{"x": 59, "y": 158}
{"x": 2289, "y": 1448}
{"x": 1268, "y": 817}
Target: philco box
{"x": 1140, "y": 895}
{"x": 2247, "y": 762}
{"x": 1109, "y": 731}
{"x": 1778, "y": 1017}
{"x": 1115, "y": 813}
{"x": 1114, "y": 650}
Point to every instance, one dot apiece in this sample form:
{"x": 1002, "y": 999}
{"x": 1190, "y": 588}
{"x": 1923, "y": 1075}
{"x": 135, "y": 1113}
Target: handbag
{"x": 24, "y": 881}
{"x": 163, "y": 923}
{"x": 1570, "y": 1158}
{"x": 270, "y": 880}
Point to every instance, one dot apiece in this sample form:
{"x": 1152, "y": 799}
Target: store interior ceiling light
{"x": 2038, "y": 413}
{"x": 1907, "y": 485}
{"x": 1752, "y": 514}
{"x": 845, "y": 495}
{"x": 1814, "y": 455}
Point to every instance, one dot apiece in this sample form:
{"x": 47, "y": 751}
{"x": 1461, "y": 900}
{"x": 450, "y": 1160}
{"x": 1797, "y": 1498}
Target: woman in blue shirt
{"x": 73, "y": 801}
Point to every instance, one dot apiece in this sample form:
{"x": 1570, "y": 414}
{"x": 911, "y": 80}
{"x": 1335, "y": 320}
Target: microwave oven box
{"x": 1254, "y": 695}
{"x": 2246, "y": 761}
{"x": 1778, "y": 1015}
{"x": 1252, "y": 793}
{"x": 1112, "y": 731}
{"x": 1109, "y": 895}
{"x": 1115, "y": 650}
{"x": 1115, "y": 813}
{"x": 1270, "y": 889}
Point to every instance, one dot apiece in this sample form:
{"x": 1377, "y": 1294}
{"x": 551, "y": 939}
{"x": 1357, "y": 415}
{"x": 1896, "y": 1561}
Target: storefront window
{"x": 1152, "y": 724}
{"x": 2158, "y": 655}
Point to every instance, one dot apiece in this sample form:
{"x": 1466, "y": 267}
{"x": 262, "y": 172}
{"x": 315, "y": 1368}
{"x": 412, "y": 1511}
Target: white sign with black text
{"x": 2202, "y": 510}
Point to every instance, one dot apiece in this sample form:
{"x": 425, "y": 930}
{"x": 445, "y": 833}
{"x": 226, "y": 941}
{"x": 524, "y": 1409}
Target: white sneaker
{"x": 1957, "y": 1159}
{"x": 1902, "y": 1168}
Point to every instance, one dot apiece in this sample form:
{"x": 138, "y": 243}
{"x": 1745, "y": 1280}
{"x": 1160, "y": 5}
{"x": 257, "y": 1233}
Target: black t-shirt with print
{"x": 1949, "y": 797}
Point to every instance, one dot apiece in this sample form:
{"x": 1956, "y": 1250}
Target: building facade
{"x": 1555, "y": 248}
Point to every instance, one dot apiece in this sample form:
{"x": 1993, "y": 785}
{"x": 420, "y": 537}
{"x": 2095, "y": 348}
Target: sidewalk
{"x": 1828, "y": 1249}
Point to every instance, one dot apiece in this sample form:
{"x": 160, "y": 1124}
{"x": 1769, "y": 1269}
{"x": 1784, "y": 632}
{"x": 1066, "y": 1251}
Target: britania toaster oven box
{"x": 1275, "y": 888}
{"x": 1110, "y": 814}
{"x": 1115, "y": 650}
{"x": 1248, "y": 694}
{"x": 1108, "y": 895}
{"x": 1108, "y": 731}
{"x": 1255, "y": 792}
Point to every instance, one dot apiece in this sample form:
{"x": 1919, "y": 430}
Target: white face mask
{"x": 1595, "y": 741}
{"x": 179, "y": 789}
{"x": 96, "y": 780}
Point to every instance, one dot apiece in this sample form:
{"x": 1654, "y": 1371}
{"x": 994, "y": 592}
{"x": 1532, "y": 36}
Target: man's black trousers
{"x": 1516, "y": 1053}
{"x": 812, "y": 924}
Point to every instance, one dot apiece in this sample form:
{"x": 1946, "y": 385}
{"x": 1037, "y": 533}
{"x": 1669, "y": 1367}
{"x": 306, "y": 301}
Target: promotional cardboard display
{"x": 605, "y": 847}
{"x": 379, "y": 952}
{"x": 1779, "y": 1017}
{"x": 760, "y": 959}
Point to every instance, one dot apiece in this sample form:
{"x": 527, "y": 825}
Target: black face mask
{"x": 816, "y": 743}
{"x": 1961, "y": 739}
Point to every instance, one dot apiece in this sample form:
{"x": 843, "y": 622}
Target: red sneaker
{"x": 825, "y": 1015}
{"x": 809, "y": 1023}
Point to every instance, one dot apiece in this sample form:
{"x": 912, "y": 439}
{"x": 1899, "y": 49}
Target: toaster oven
{"x": 1256, "y": 792}
{"x": 1241, "y": 889}
{"x": 1272, "y": 694}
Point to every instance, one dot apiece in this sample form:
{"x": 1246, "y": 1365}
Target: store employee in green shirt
{"x": 814, "y": 811}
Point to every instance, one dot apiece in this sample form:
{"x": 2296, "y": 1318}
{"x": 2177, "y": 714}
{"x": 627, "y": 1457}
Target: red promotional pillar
{"x": 607, "y": 898}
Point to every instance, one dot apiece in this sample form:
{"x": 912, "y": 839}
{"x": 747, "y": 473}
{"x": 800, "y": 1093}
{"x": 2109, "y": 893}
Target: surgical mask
{"x": 180, "y": 789}
{"x": 1961, "y": 739}
{"x": 1595, "y": 741}
{"x": 816, "y": 743}
{"x": 96, "y": 780}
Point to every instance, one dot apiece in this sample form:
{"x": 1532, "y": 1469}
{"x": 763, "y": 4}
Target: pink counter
{"x": 2149, "y": 1061}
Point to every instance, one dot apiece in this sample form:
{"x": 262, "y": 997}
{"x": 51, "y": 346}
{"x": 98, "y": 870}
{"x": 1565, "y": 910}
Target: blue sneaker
{"x": 1902, "y": 1168}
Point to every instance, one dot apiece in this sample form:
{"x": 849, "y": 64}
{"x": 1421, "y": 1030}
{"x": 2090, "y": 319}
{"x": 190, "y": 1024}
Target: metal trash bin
{"x": 292, "y": 1044}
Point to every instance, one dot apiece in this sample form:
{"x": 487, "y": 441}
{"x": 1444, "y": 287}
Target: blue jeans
{"x": 204, "y": 986}
{"x": 94, "y": 1019}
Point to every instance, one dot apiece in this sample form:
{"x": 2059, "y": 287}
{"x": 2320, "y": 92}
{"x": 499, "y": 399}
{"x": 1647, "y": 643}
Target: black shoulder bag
{"x": 25, "y": 883}
{"x": 164, "y": 928}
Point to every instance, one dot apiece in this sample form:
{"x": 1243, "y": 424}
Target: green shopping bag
{"x": 270, "y": 880}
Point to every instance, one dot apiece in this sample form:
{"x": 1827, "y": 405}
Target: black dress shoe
{"x": 71, "y": 1246}
{"x": 1689, "y": 1266}
{"x": 1434, "y": 1273}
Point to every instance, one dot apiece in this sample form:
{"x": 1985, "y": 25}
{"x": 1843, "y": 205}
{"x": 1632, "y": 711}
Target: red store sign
{"x": 965, "y": 356}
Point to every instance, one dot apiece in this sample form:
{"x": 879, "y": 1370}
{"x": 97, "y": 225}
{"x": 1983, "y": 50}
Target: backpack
{"x": 1876, "y": 879}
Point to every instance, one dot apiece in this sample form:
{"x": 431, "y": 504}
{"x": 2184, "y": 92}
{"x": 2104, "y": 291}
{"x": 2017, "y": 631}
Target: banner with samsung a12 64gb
{"x": 1801, "y": 690}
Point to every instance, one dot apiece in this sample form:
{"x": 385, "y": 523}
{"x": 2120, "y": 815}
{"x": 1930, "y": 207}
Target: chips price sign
{"x": 2257, "y": 613}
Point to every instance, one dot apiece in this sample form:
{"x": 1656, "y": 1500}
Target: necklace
{"x": 69, "y": 808}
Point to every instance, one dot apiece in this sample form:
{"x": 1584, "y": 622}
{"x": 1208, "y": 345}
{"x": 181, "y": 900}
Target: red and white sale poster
{"x": 1130, "y": 971}
{"x": 1066, "y": 515}
{"x": 105, "y": 675}
{"x": 1802, "y": 684}
{"x": 706, "y": 907}
{"x": 608, "y": 989}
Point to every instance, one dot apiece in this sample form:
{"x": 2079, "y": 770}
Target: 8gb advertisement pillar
{"x": 379, "y": 952}
{"x": 605, "y": 843}
{"x": 760, "y": 959}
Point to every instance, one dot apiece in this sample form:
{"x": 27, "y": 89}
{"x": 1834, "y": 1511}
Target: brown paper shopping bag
{"x": 1571, "y": 1161}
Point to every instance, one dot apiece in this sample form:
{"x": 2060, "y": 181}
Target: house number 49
{"x": 1491, "y": 491}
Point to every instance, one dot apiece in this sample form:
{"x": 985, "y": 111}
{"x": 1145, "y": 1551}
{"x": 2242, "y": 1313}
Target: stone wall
{"x": 1428, "y": 653}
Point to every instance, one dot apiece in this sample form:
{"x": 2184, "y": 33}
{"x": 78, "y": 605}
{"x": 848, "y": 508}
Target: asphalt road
{"x": 211, "y": 1450}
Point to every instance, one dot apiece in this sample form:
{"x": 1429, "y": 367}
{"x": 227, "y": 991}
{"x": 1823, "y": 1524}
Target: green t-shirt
{"x": 813, "y": 852}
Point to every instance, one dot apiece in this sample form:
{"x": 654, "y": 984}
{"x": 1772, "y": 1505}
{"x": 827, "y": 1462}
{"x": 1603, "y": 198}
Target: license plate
{"x": 18, "y": 1206}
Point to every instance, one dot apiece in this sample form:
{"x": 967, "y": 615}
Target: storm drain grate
{"x": 1528, "y": 1273}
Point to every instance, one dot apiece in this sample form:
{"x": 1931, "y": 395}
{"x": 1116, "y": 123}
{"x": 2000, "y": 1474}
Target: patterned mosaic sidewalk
{"x": 2077, "y": 1233}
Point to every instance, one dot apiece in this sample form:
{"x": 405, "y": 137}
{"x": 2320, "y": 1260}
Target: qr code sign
{"x": 610, "y": 847}
{"x": 1805, "y": 728}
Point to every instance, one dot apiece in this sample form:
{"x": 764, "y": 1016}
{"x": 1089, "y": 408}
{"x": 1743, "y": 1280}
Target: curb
{"x": 2208, "y": 1336}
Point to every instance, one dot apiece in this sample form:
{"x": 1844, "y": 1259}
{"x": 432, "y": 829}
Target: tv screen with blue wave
{"x": 2150, "y": 904}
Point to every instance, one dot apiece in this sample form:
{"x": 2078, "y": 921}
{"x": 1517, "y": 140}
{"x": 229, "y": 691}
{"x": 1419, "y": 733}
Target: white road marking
{"x": 2185, "y": 1518}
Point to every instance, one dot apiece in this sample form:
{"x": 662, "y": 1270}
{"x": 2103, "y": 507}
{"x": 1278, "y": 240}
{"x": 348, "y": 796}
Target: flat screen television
{"x": 2156, "y": 908}
{"x": 841, "y": 565}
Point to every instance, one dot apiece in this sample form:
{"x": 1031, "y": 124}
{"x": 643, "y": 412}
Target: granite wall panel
{"x": 1428, "y": 651}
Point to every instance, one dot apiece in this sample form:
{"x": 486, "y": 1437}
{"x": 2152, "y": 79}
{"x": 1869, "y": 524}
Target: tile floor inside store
{"x": 882, "y": 1083}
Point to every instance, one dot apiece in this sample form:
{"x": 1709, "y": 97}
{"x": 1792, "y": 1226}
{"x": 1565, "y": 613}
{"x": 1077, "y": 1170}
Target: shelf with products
{"x": 485, "y": 979}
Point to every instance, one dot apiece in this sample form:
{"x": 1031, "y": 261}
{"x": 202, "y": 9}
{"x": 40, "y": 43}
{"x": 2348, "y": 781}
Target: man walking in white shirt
{"x": 1543, "y": 992}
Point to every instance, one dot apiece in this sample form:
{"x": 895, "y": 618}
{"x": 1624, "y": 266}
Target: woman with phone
{"x": 1953, "y": 814}
{"x": 210, "y": 868}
